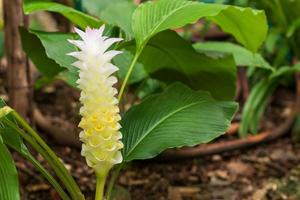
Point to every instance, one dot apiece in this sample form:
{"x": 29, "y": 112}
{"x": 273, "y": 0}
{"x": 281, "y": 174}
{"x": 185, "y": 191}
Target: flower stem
{"x": 100, "y": 186}
{"x": 136, "y": 56}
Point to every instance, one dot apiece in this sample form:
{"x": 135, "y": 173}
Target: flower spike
{"x": 100, "y": 113}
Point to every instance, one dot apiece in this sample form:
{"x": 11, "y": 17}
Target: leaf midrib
{"x": 155, "y": 27}
{"x": 158, "y": 123}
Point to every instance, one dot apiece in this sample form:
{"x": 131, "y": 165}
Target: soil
{"x": 268, "y": 171}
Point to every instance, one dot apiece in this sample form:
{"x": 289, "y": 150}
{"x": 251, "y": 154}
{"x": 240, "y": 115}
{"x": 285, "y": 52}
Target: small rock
{"x": 240, "y": 168}
{"x": 281, "y": 155}
{"x": 216, "y": 157}
{"x": 174, "y": 193}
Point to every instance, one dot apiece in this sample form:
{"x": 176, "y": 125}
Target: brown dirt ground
{"x": 256, "y": 173}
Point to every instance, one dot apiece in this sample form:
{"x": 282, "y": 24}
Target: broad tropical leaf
{"x": 153, "y": 17}
{"x": 95, "y": 7}
{"x": 170, "y": 58}
{"x": 113, "y": 12}
{"x": 48, "y": 52}
{"x": 242, "y": 56}
{"x": 75, "y": 16}
{"x": 36, "y": 52}
{"x": 120, "y": 15}
{"x": 57, "y": 46}
{"x": 175, "y": 118}
{"x": 54, "y": 47}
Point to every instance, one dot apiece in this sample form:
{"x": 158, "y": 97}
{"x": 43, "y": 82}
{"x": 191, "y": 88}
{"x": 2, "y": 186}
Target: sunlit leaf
{"x": 120, "y": 15}
{"x": 81, "y": 19}
{"x": 153, "y": 17}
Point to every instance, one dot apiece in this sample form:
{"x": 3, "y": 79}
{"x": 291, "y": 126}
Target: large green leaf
{"x": 153, "y": 17}
{"x": 170, "y": 58}
{"x": 9, "y": 183}
{"x": 113, "y": 12}
{"x": 75, "y": 16}
{"x": 242, "y": 56}
{"x": 177, "y": 117}
{"x": 57, "y": 47}
{"x": 120, "y": 15}
{"x": 48, "y": 53}
{"x": 96, "y": 7}
{"x": 36, "y": 52}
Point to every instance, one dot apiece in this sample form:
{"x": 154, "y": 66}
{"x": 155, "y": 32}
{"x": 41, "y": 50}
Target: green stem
{"x": 43, "y": 171}
{"x": 40, "y": 150}
{"x": 112, "y": 180}
{"x": 75, "y": 187}
{"x": 136, "y": 56}
{"x": 48, "y": 176}
{"x": 53, "y": 163}
{"x": 281, "y": 14}
{"x": 100, "y": 186}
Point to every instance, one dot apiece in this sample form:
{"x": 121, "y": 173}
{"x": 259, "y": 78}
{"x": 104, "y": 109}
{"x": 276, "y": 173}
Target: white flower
{"x": 99, "y": 111}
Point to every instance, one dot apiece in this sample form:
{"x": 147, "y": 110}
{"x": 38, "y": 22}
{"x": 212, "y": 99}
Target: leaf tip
{"x": 5, "y": 111}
